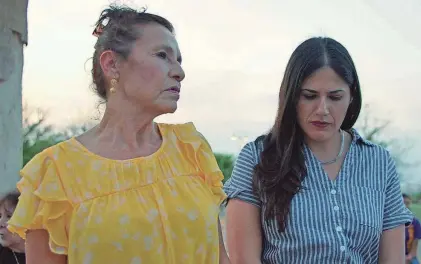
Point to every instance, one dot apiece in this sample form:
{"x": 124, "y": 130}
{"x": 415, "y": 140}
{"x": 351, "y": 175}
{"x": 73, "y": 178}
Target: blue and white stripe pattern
{"x": 338, "y": 221}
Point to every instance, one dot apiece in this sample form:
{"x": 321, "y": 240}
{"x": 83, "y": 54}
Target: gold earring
{"x": 113, "y": 84}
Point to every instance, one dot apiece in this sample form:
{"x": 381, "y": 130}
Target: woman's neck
{"x": 129, "y": 131}
{"x": 123, "y": 135}
{"x": 327, "y": 149}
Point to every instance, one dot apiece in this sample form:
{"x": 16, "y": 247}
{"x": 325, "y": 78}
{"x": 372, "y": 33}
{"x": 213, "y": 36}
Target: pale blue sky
{"x": 234, "y": 55}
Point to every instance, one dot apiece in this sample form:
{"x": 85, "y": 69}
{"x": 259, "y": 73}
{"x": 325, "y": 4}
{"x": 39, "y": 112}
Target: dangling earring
{"x": 113, "y": 84}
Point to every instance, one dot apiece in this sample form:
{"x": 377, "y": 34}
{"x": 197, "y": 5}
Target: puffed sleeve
{"x": 43, "y": 203}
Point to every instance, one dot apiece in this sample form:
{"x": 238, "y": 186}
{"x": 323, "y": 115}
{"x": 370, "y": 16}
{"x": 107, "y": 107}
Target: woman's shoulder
{"x": 187, "y": 128}
{"x": 50, "y": 164}
{"x": 183, "y": 132}
{"x": 375, "y": 150}
{"x": 259, "y": 142}
{"x": 62, "y": 151}
{"x": 254, "y": 148}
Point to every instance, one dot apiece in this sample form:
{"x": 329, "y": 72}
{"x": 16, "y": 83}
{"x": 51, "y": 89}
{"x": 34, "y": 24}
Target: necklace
{"x": 340, "y": 151}
{"x": 16, "y": 258}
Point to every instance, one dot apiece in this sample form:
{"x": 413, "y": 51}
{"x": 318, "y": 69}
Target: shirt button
{"x": 342, "y": 248}
{"x": 333, "y": 191}
{"x": 338, "y": 228}
{"x": 336, "y": 208}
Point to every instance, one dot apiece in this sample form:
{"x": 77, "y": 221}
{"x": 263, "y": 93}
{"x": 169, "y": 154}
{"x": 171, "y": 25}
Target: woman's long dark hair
{"x": 281, "y": 168}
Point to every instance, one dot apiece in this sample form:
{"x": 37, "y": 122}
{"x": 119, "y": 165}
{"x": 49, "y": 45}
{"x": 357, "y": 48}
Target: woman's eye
{"x": 162, "y": 55}
{"x": 336, "y": 98}
{"x": 309, "y": 96}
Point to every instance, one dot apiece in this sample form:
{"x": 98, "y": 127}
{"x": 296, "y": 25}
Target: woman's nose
{"x": 322, "y": 108}
{"x": 3, "y": 222}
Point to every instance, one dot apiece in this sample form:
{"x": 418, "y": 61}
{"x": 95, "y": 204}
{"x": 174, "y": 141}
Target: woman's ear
{"x": 108, "y": 62}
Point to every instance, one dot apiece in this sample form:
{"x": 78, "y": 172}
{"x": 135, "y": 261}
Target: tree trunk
{"x": 11, "y": 67}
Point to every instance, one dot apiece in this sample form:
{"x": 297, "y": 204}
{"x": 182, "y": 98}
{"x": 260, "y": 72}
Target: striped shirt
{"x": 339, "y": 221}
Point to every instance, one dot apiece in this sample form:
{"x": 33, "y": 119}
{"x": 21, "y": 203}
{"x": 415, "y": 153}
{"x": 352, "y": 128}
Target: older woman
{"x": 12, "y": 247}
{"x": 129, "y": 190}
{"x": 313, "y": 190}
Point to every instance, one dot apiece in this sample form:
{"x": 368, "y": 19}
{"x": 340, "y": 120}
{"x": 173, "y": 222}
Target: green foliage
{"x": 37, "y": 135}
{"x": 416, "y": 210}
{"x": 31, "y": 149}
{"x": 225, "y": 163}
{"x": 416, "y": 197}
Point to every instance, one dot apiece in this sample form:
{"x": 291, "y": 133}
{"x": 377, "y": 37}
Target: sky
{"x": 234, "y": 55}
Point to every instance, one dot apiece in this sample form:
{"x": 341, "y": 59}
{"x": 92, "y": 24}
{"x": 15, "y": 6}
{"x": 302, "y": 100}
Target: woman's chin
{"x": 4, "y": 243}
{"x": 168, "y": 108}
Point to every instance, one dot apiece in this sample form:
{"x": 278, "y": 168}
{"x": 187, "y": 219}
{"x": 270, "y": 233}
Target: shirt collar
{"x": 357, "y": 138}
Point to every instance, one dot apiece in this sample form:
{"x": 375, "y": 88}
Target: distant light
{"x": 241, "y": 139}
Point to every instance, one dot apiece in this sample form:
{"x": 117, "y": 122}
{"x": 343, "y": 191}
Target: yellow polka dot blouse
{"x": 162, "y": 208}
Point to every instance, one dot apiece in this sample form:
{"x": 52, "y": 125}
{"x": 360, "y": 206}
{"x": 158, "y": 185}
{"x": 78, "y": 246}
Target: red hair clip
{"x": 100, "y": 27}
{"x": 98, "y": 30}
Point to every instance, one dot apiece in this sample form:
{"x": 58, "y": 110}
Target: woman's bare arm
{"x": 38, "y": 250}
{"x": 223, "y": 256}
{"x": 392, "y": 246}
{"x": 244, "y": 235}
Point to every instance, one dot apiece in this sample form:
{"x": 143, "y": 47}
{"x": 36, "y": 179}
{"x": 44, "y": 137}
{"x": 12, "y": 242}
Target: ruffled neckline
{"x": 162, "y": 130}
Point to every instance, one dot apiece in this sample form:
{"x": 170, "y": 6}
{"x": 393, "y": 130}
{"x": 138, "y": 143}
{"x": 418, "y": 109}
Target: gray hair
{"x": 116, "y": 31}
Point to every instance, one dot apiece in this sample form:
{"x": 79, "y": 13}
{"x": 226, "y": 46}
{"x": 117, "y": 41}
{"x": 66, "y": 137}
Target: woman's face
{"x": 407, "y": 202}
{"x": 323, "y": 104}
{"x": 151, "y": 76}
{"x": 7, "y": 239}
